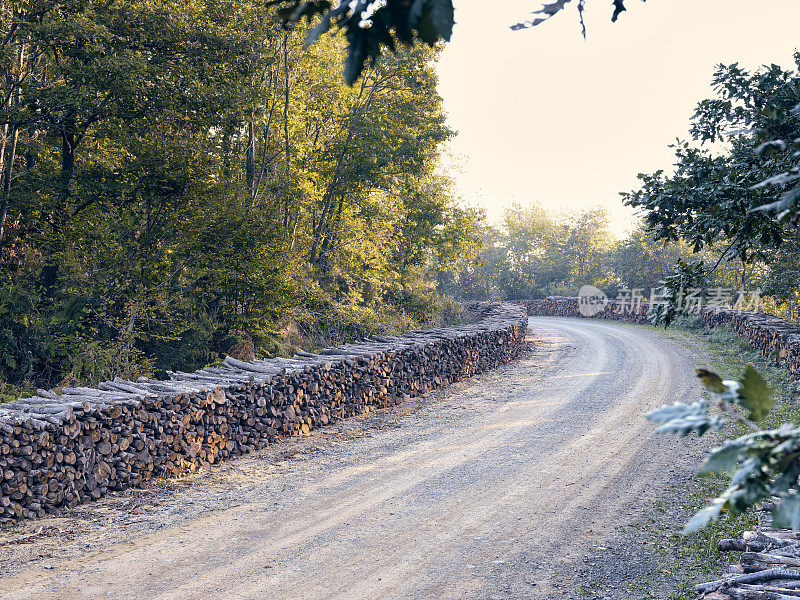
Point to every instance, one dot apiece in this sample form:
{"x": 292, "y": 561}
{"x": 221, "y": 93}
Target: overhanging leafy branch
{"x": 764, "y": 464}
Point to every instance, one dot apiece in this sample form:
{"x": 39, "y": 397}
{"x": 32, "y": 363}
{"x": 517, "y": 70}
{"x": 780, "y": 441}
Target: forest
{"x": 185, "y": 182}
{"x": 534, "y": 254}
{"x": 204, "y": 184}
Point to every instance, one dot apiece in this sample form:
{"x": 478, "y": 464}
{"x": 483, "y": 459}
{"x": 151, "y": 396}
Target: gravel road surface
{"x": 495, "y": 488}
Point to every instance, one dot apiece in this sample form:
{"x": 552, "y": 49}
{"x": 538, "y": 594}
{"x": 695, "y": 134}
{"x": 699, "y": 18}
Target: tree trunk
{"x": 9, "y": 152}
{"x": 274, "y": 76}
{"x": 329, "y": 239}
{"x": 49, "y": 273}
{"x": 287, "y": 145}
{"x": 328, "y": 199}
{"x": 250, "y": 166}
{"x": 8, "y": 170}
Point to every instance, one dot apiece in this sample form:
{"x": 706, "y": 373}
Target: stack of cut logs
{"x": 769, "y": 568}
{"x": 61, "y": 449}
{"x": 560, "y": 306}
{"x": 772, "y": 336}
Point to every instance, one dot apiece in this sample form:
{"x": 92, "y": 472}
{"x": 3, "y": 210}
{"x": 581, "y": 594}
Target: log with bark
{"x": 769, "y": 567}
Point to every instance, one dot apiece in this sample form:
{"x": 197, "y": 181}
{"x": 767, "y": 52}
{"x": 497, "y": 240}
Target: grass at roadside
{"x": 695, "y": 558}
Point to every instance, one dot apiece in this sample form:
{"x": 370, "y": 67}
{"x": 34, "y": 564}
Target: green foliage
{"x": 189, "y": 181}
{"x": 754, "y": 395}
{"x": 719, "y": 197}
{"x": 764, "y": 463}
{"x": 640, "y": 261}
{"x": 716, "y": 201}
{"x": 767, "y": 105}
{"x": 553, "y": 8}
{"x": 684, "y": 419}
{"x": 534, "y": 254}
{"x": 704, "y": 517}
{"x": 711, "y": 380}
{"x": 686, "y": 278}
{"x": 750, "y": 392}
{"x": 372, "y": 27}
{"x": 723, "y": 459}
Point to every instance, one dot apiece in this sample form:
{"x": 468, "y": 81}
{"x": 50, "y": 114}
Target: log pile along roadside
{"x": 772, "y": 336}
{"x": 560, "y": 306}
{"x": 769, "y": 568}
{"x": 62, "y": 449}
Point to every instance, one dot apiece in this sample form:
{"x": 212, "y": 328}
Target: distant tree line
{"x": 534, "y": 254}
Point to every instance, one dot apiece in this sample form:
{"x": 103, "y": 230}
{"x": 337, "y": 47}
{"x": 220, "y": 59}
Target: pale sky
{"x": 545, "y": 116}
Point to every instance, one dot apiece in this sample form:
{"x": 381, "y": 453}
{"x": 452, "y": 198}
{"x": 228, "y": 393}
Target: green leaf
{"x": 783, "y": 482}
{"x": 683, "y": 419}
{"x": 619, "y": 7}
{"x": 787, "y": 514}
{"x": 676, "y": 411}
{"x": 754, "y": 394}
{"x": 703, "y": 517}
{"x": 322, "y": 27}
{"x": 749, "y": 467}
{"x": 770, "y": 146}
{"x": 723, "y": 458}
{"x": 552, "y": 8}
{"x": 711, "y": 380}
{"x": 787, "y": 202}
{"x": 436, "y": 21}
{"x": 685, "y": 426}
{"x": 415, "y": 13}
{"x": 739, "y": 500}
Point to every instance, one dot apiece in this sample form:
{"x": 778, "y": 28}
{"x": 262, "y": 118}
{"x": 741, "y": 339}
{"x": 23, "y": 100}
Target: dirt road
{"x": 494, "y": 489}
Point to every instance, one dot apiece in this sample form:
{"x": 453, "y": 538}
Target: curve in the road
{"x": 493, "y": 492}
